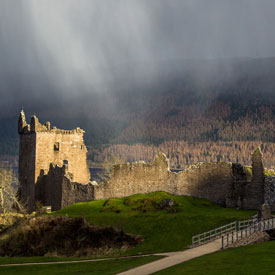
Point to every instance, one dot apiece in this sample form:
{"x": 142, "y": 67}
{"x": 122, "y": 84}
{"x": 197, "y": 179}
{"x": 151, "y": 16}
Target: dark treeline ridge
{"x": 202, "y": 103}
{"x": 183, "y": 153}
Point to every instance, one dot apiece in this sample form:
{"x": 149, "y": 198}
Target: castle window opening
{"x": 56, "y": 146}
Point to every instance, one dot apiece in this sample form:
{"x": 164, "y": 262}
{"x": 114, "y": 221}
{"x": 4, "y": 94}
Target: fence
{"x": 247, "y": 223}
{"x": 256, "y": 226}
{"x": 222, "y": 231}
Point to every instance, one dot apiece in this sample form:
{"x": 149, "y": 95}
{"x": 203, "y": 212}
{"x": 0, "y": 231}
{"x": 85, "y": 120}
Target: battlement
{"x": 36, "y": 126}
{"x": 43, "y": 150}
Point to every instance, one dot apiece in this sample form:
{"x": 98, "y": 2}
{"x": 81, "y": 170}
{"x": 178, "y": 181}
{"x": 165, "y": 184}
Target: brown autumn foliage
{"x": 182, "y": 153}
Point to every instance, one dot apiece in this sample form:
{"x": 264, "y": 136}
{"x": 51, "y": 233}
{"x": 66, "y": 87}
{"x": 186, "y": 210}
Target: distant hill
{"x": 188, "y": 100}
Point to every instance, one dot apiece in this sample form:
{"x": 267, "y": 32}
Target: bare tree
{"x": 8, "y": 192}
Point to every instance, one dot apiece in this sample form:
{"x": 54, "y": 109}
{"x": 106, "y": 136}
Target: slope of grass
{"x": 163, "y": 230}
{"x": 103, "y": 267}
{"x": 252, "y": 259}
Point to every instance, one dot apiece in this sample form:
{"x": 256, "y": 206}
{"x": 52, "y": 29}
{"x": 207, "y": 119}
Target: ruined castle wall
{"x": 209, "y": 181}
{"x": 54, "y": 147}
{"x": 73, "y": 192}
{"x": 57, "y": 189}
{"x": 48, "y": 188}
{"x": 269, "y": 189}
{"x": 27, "y": 168}
{"x": 41, "y": 145}
{"x": 254, "y": 195}
{"x": 241, "y": 179}
{"x": 133, "y": 178}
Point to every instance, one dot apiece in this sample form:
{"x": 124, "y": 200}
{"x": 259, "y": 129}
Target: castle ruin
{"x": 46, "y": 150}
{"x": 53, "y": 170}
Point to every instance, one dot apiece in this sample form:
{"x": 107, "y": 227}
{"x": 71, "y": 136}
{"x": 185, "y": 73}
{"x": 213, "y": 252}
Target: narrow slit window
{"x": 56, "y": 146}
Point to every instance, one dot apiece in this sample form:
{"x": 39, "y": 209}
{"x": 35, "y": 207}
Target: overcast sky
{"x": 66, "y": 46}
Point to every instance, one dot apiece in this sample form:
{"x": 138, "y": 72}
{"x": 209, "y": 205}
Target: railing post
{"x": 237, "y": 235}
{"x": 227, "y": 237}
{"x": 222, "y": 242}
{"x": 232, "y": 237}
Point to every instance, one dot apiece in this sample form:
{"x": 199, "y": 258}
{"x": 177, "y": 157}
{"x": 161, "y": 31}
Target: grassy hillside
{"x": 252, "y": 259}
{"x": 163, "y": 230}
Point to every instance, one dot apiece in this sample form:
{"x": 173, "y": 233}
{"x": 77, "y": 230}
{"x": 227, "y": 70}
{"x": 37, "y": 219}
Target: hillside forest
{"x": 196, "y": 111}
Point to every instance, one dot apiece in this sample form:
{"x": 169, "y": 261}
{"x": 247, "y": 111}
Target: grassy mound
{"x": 164, "y": 226}
{"x": 49, "y": 235}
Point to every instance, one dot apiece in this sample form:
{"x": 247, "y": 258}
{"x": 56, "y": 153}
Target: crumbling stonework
{"x": 204, "y": 180}
{"x": 269, "y": 191}
{"x": 139, "y": 177}
{"x": 264, "y": 212}
{"x": 57, "y": 189}
{"x": 53, "y": 169}
{"x": 255, "y": 189}
{"x": 224, "y": 183}
{"x": 256, "y": 237}
{"x": 41, "y": 145}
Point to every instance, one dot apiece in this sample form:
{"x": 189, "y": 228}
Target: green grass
{"x": 252, "y": 259}
{"x": 162, "y": 231}
{"x": 103, "y": 267}
{"x": 40, "y": 259}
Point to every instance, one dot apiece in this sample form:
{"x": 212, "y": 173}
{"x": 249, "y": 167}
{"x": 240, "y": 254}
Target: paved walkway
{"x": 171, "y": 258}
{"x": 174, "y": 258}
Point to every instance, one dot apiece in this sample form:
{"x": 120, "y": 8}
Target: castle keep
{"x": 46, "y": 150}
{"x": 53, "y": 170}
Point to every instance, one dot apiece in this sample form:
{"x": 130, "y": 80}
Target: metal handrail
{"x": 243, "y": 233}
{"x": 222, "y": 230}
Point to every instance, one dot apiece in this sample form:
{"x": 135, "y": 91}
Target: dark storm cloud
{"x": 66, "y": 47}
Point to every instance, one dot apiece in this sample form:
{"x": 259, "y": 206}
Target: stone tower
{"x": 41, "y": 146}
{"x": 255, "y": 190}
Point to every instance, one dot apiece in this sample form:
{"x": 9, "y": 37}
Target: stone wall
{"x": 41, "y": 145}
{"x": 53, "y": 169}
{"x": 210, "y": 181}
{"x": 224, "y": 183}
{"x": 54, "y": 147}
{"x": 269, "y": 191}
{"x": 27, "y": 150}
{"x": 255, "y": 189}
{"x": 139, "y": 177}
{"x": 57, "y": 189}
